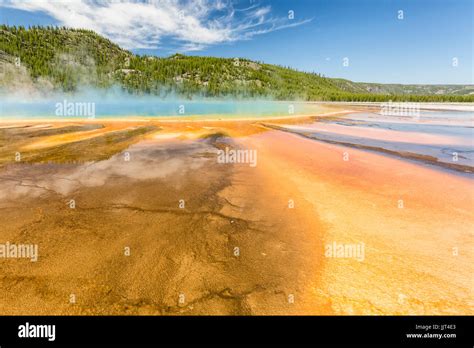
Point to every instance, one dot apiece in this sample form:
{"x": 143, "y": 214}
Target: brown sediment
{"x": 183, "y": 258}
{"x": 66, "y": 144}
{"x": 174, "y": 251}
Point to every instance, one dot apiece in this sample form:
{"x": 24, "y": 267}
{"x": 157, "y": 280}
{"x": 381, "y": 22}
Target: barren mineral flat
{"x": 138, "y": 216}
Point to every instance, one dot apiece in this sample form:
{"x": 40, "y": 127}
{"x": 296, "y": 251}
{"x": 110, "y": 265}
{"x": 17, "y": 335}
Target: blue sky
{"x": 380, "y": 47}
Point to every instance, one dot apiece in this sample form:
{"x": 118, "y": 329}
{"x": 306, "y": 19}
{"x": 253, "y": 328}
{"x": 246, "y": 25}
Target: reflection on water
{"x": 444, "y": 136}
{"x": 149, "y": 163}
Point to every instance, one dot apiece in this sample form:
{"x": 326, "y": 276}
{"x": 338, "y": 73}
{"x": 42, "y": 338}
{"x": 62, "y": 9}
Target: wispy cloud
{"x": 188, "y": 24}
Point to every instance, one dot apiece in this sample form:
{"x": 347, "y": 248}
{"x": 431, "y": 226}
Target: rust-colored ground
{"x": 248, "y": 240}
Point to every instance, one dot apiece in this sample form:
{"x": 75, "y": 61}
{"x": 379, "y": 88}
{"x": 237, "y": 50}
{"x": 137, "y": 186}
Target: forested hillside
{"x": 65, "y": 59}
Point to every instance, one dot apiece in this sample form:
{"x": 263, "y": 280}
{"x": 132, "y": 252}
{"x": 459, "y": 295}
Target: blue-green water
{"x": 98, "y": 107}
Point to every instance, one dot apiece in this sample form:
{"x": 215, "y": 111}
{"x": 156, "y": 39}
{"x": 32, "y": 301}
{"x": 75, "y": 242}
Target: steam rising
{"x": 115, "y": 102}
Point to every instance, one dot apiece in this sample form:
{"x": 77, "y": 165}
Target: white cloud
{"x": 189, "y": 24}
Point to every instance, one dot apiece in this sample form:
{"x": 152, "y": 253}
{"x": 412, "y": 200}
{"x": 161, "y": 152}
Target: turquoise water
{"x": 98, "y": 107}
